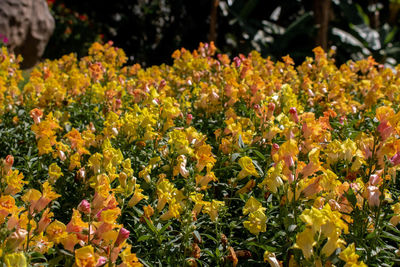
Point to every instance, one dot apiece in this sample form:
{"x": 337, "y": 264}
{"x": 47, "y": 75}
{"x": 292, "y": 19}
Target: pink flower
{"x": 101, "y": 261}
{"x": 291, "y": 178}
{"x": 271, "y": 108}
{"x": 237, "y": 62}
{"x": 84, "y": 206}
{"x": 294, "y": 115}
{"x": 374, "y": 179}
{"x": 395, "y": 160}
{"x": 289, "y": 161}
{"x": 274, "y": 149}
{"x": 373, "y": 194}
{"x": 384, "y": 130}
{"x": 122, "y": 236}
{"x": 189, "y": 118}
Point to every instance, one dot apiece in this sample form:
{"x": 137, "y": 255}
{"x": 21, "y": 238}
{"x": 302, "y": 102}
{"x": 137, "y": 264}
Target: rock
{"x": 28, "y": 25}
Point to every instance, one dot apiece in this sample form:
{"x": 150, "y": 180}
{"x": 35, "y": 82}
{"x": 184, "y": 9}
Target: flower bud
{"x": 122, "y": 236}
{"x": 84, "y": 207}
{"x": 294, "y": 115}
{"x": 8, "y": 163}
{"x": 189, "y": 118}
{"x": 237, "y": 62}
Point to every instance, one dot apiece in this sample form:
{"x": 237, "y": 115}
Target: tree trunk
{"x": 212, "y": 36}
{"x": 322, "y": 9}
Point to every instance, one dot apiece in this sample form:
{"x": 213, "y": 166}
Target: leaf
{"x": 252, "y": 243}
{"x": 258, "y": 167}
{"x": 164, "y": 228}
{"x": 235, "y": 156}
{"x": 347, "y": 37}
{"x": 391, "y": 236}
{"x": 351, "y": 197}
{"x": 259, "y": 154}
{"x": 151, "y": 226}
{"x": 240, "y": 141}
{"x": 144, "y": 238}
{"x": 389, "y": 37}
{"x": 362, "y": 14}
{"x": 198, "y": 236}
{"x": 368, "y": 35}
{"x": 210, "y": 237}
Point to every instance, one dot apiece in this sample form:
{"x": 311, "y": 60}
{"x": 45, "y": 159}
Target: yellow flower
{"x": 256, "y": 222}
{"x": 15, "y": 260}
{"x": 252, "y": 205}
{"x": 396, "y": 217}
{"x": 273, "y": 178}
{"x": 350, "y": 257}
{"x": 95, "y": 162}
{"x": 305, "y": 242}
{"x": 271, "y": 259}
{"x": 333, "y": 243}
{"x": 44, "y": 146}
{"x": 85, "y": 257}
{"x": 212, "y": 208}
{"x": 204, "y": 156}
{"x": 174, "y": 211}
{"x": 56, "y": 231}
{"x": 14, "y": 181}
{"x": 137, "y": 196}
{"x": 54, "y": 172}
{"x": 314, "y": 218}
{"x": 40, "y": 243}
{"x": 179, "y": 142}
{"x": 75, "y": 161}
{"x": 110, "y": 216}
{"x": 129, "y": 258}
{"x": 349, "y": 149}
{"x": 203, "y": 181}
{"x": 248, "y": 168}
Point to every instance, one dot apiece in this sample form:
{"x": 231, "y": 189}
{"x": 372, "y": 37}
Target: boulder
{"x": 28, "y": 25}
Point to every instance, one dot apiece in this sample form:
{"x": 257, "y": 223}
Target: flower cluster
{"x": 209, "y": 161}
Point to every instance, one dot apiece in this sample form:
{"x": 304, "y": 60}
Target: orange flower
{"x": 7, "y": 206}
{"x": 36, "y": 114}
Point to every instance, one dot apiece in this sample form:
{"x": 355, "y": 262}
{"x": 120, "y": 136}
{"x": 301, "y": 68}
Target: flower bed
{"x": 206, "y": 162}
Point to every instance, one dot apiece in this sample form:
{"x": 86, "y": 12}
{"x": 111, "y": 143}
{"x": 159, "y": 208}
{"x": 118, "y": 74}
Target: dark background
{"x": 149, "y": 31}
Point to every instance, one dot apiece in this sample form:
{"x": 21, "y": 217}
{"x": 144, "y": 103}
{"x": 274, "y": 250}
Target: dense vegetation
{"x": 205, "y": 162}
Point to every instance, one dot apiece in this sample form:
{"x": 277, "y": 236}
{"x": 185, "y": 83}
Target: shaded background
{"x": 150, "y": 30}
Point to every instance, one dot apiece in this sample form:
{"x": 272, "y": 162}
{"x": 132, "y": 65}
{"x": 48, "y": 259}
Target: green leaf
{"x": 258, "y": 167}
{"x": 164, "y": 227}
{"x": 235, "y": 156}
{"x": 210, "y": 237}
{"x": 151, "y": 226}
{"x": 351, "y": 197}
{"x": 144, "y": 238}
{"x": 389, "y": 37}
{"x": 391, "y": 236}
{"x": 198, "y": 236}
{"x": 240, "y": 141}
{"x": 259, "y": 154}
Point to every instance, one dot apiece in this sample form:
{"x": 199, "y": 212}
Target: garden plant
{"x": 210, "y": 161}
